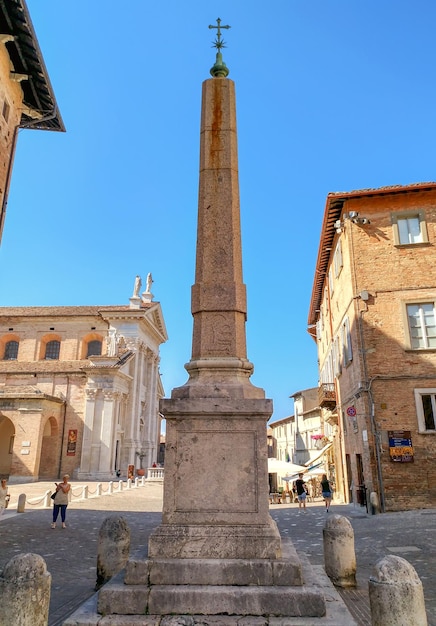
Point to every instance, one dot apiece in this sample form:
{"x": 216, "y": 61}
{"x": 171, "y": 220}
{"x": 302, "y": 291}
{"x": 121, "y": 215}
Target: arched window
{"x": 93, "y": 348}
{"x": 11, "y": 351}
{"x": 52, "y": 349}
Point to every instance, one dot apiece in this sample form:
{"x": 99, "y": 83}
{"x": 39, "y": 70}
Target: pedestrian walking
{"x": 326, "y": 491}
{"x": 4, "y": 496}
{"x": 300, "y": 486}
{"x": 60, "y": 501}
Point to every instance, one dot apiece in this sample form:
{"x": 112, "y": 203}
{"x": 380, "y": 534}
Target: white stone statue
{"x": 137, "y": 287}
{"x": 112, "y": 342}
{"x": 149, "y": 283}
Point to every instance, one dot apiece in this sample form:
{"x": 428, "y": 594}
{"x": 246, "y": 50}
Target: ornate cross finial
{"x": 218, "y": 44}
{"x": 219, "y": 70}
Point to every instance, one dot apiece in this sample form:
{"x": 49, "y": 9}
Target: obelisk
{"x": 216, "y": 477}
{"x": 217, "y": 551}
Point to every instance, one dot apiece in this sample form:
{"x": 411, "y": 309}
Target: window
{"x": 11, "y": 351}
{"x": 6, "y": 109}
{"x": 52, "y": 350}
{"x": 336, "y": 358}
{"x": 425, "y": 400}
{"x": 422, "y": 325}
{"x": 330, "y": 279}
{"x": 337, "y": 259}
{"x": 347, "y": 352}
{"x": 409, "y": 228}
{"x": 94, "y": 348}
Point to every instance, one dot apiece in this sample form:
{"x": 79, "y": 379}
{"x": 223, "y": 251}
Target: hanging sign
{"x": 400, "y": 446}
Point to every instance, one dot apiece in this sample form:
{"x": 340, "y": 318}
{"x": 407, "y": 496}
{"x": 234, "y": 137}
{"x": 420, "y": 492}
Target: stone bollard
{"x": 47, "y": 499}
{"x": 339, "y": 554}
{"x": 396, "y": 596}
{"x": 21, "y": 503}
{"x": 113, "y": 548}
{"x": 142, "y": 481}
{"x": 136, "y": 481}
{"x": 110, "y": 488}
{"x": 120, "y": 485}
{"x": 25, "y": 591}
{"x": 129, "y": 483}
{"x": 99, "y": 487}
{"x": 373, "y": 500}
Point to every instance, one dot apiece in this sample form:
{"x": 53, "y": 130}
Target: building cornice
{"x": 40, "y": 110}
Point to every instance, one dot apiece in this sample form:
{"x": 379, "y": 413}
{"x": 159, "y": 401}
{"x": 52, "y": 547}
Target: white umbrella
{"x": 316, "y": 471}
{"x": 275, "y": 466}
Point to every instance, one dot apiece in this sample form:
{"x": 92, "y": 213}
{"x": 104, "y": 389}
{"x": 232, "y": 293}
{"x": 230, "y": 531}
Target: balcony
{"x": 327, "y": 396}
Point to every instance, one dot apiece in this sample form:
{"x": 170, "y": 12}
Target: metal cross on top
{"x": 218, "y": 44}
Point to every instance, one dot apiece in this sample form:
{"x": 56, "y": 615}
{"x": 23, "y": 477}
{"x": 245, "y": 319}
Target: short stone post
{"x": 339, "y": 554}
{"x": 21, "y": 503}
{"x": 25, "y": 591}
{"x": 136, "y": 481}
{"x": 396, "y": 595}
{"x": 142, "y": 481}
{"x": 110, "y": 488}
{"x": 120, "y": 485}
{"x": 85, "y": 492}
{"x": 373, "y": 500}
{"x": 99, "y": 486}
{"x": 129, "y": 483}
{"x": 113, "y": 548}
{"x": 47, "y": 499}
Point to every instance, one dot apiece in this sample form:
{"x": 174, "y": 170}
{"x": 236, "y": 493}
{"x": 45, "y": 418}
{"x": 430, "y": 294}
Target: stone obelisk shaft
{"x": 218, "y": 296}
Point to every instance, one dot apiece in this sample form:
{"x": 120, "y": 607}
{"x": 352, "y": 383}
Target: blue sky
{"x": 332, "y": 95}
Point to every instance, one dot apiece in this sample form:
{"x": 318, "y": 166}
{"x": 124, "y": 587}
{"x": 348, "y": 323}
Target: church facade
{"x": 80, "y": 389}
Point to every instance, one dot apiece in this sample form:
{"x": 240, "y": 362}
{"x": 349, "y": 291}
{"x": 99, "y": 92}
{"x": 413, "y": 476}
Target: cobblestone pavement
{"x": 70, "y": 554}
{"x": 410, "y": 535}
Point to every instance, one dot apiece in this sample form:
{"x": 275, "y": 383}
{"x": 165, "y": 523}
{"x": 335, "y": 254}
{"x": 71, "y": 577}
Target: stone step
{"x": 210, "y": 600}
{"x": 337, "y": 614}
{"x": 212, "y": 572}
{"x": 286, "y": 571}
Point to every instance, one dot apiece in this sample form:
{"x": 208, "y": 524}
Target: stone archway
{"x": 7, "y": 435}
{"x": 49, "y": 461}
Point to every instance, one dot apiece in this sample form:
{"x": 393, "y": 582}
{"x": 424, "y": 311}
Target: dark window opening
{"x": 11, "y": 351}
{"x": 52, "y": 350}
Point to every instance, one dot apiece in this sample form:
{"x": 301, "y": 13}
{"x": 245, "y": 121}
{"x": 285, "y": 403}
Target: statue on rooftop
{"x": 148, "y": 283}
{"x": 137, "y": 287}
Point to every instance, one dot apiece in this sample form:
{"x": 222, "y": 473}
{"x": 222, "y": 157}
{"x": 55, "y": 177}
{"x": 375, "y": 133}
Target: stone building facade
{"x": 26, "y": 95}
{"x": 79, "y": 390}
{"x": 372, "y": 315}
{"x": 303, "y": 438}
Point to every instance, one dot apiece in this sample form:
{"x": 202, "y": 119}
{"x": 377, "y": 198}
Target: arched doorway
{"x": 7, "y": 435}
{"x": 49, "y": 463}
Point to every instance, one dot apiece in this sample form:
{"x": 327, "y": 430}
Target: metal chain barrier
{"x": 82, "y": 492}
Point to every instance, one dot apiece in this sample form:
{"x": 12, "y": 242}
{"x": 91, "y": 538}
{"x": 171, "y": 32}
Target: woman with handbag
{"x": 4, "y": 496}
{"x": 326, "y": 491}
{"x": 60, "y": 500}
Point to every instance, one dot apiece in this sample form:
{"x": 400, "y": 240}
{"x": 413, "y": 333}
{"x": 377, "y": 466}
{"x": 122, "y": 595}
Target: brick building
{"x": 79, "y": 389}
{"x": 372, "y": 314}
{"x": 26, "y": 95}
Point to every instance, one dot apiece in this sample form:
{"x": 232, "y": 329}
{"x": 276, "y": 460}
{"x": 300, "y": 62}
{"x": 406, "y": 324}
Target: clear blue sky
{"x": 332, "y": 95}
